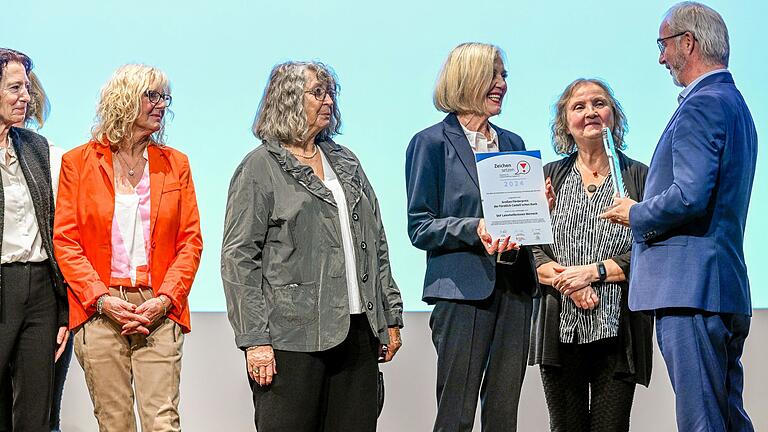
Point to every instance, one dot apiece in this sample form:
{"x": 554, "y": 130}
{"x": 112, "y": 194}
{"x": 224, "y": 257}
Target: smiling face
{"x": 318, "y": 112}
{"x": 588, "y": 111}
{"x": 672, "y": 57}
{"x": 498, "y": 89}
{"x": 14, "y": 94}
{"x": 150, "y": 118}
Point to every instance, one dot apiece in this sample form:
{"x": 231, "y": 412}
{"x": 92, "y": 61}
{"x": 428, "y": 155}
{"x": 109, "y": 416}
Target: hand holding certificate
{"x": 514, "y": 202}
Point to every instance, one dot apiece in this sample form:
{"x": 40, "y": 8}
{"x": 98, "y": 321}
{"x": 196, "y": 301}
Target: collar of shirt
{"x": 8, "y": 154}
{"x": 689, "y": 88}
{"x": 478, "y": 141}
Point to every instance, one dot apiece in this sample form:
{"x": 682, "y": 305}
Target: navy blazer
{"x": 444, "y": 209}
{"x": 689, "y": 228}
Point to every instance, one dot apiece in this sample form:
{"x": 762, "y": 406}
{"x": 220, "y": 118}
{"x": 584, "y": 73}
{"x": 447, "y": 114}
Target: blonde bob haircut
{"x": 562, "y": 140}
{"x": 120, "y": 104}
{"x": 465, "y": 78}
{"x": 280, "y": 116}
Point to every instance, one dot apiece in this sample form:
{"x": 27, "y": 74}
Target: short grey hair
{"x": 562, "y": 140}
{"x": 707, "y": 27}
{"x": 281, "y": 115}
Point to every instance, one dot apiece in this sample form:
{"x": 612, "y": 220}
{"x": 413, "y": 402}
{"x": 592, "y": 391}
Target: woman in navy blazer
{"x": 480, "y": 287}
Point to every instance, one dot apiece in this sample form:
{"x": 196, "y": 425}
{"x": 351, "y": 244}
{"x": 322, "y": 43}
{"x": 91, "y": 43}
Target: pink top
{"x": 130, "y": 230}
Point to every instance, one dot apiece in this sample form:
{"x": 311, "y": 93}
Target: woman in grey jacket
{"x": 305, "y": 264}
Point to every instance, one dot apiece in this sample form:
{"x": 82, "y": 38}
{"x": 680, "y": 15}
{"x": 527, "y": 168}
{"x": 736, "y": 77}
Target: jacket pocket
{"x": 296, "y": 304}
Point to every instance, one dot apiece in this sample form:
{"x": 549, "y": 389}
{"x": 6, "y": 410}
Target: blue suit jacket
{"x": 689, "y": 228}
{"x": 444, "y": 209}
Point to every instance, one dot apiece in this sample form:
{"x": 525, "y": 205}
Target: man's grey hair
{"x": 281, "y": 115}
{"x": 707, "y": 27}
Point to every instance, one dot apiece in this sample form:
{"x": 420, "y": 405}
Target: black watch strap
{"x": 602, "y": 273}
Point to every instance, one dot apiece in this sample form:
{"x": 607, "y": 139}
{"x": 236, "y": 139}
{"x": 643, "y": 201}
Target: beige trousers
{"x": 116, "y": 365}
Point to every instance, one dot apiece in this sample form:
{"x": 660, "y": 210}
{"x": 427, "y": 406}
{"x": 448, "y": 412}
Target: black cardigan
{"x": 635, "y": 328}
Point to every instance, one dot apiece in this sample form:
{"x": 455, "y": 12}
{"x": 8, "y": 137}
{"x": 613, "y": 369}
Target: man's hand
{"x": 619, "y": 211}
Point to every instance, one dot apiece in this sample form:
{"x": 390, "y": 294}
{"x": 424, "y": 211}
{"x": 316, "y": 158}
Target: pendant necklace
{"x": 131, "y": 169}
{"x": 591, "y": 188}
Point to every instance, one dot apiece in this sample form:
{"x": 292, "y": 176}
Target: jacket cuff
{"x": 247, "y": 340}
{"x": 93, "y": 292}
{"x": 394, "y": 317}
{"x": 63, "y": 317}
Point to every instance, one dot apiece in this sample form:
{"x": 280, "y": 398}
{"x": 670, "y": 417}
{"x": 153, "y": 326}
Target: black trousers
{"x": 27, "y": 342}
{"x": 59, "y": 377}
{"x": 326, "y": 391}
{"x": 482, "y": 348}
{"x": 582, "y": 394}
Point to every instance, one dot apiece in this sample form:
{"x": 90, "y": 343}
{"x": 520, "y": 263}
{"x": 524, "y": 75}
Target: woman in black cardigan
{"x": 591, "y": 348}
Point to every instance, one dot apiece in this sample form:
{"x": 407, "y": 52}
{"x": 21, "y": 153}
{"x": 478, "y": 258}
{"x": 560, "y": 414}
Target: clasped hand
{"x": 575, "y": 282}
{"x": 133, "y": 319}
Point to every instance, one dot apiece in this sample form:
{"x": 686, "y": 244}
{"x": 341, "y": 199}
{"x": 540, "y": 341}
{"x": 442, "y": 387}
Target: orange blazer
{"x": 82, "y": 236}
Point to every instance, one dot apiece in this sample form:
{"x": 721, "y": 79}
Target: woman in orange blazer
{"x": 127, "y": 237}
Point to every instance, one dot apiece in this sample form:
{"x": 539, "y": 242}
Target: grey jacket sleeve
{"x": 245, "y": 230}
{"x": 390, "y": 293}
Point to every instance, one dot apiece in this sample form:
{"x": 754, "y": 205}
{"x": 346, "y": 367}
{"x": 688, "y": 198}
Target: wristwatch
{"x": 602, "y": 274}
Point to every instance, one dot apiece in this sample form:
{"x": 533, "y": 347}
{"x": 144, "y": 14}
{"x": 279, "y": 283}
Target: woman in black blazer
{"x": 591, "y": 348}
{"x": 480, "y": 287}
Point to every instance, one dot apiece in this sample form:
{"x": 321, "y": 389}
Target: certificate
{"x": 513, "y": 196}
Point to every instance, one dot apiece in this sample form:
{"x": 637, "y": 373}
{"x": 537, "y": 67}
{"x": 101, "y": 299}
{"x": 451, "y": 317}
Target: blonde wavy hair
{"x": 120, "y": 104}
{"x": 562, "y": 140}
{"x": 465, "y": 78}
{"x": 281, "y": 115}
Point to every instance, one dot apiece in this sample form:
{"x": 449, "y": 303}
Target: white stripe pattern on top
{"x": 582, "y": 238}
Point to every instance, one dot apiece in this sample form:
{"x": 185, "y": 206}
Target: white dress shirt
{"x": 481, "y": 144}
{"x": 21, "y": 235}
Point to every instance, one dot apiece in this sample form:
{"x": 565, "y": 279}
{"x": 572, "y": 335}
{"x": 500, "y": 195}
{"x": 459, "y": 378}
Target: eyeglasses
{"x": 320, "y": 92}
{"x": 155, "y": 96}
{"x": 662, "y": 45}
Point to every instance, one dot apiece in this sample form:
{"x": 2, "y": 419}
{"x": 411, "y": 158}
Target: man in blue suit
{"x": 688, "y": 258}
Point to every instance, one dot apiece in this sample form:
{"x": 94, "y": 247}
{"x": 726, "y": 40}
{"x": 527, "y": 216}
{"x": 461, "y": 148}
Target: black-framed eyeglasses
{"x": 661, "y": 41}
{"x": 320, "y": 92}
{"x": 155, "y": 96}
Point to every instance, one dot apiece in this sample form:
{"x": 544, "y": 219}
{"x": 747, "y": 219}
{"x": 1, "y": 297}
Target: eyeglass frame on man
{"x": 660, "y": 42}
{"x": 320, "y": 92}
{"x": 153, "y": 94}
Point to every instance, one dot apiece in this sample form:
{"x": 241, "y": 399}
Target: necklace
{"x": 131, "y": 171}
{"x": 591, "y": 188}
{"x": 314, "y": 153}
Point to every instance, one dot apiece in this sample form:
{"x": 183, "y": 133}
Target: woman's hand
{"x": 124, "y": 313}
{"x": 492, "y": 246}
{"x": 387, "y": 352}
{"x": 260, "y": 361}
{"x": 574, "y": 278}
{"x": 61, "y": 341}
{"x": 549, "y": 191}
{"x": 585, "y": 298}
{"x": 154, "y": 308}
{"x": 548, "y": 272}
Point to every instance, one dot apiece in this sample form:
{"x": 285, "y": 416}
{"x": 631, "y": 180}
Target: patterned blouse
{"x": 582, "y": 238}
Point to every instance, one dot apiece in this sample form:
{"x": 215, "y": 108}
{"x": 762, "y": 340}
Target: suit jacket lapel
{"x": 105, "y": 163}
{"x": 158, "y": 165}
{"x": 458, "y": 140}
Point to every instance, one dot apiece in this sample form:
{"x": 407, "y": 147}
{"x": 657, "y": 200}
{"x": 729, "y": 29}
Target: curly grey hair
{"x": 707, "y": 26}
{"x": 562, "y": 140}
{"x": 281, "y": 115}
